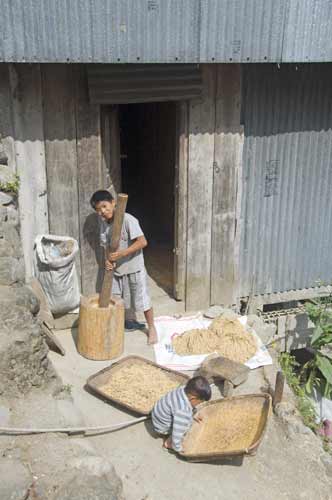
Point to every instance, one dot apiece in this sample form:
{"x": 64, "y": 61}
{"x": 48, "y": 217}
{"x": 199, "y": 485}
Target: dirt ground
{"x": 285, "y": 467}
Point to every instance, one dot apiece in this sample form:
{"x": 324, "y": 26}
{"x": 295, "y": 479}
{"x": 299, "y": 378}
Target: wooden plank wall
{"x": 227, "y": 162}
{"x": 91, "y": 177}
{"x": 60, "y": 144}
{"x": 200, "y": 189}
{"x": 55, "y": 135}
{"x": 57, "y": 130}
{"x": 6, "y": 117}
{"x": 26, "y": 98}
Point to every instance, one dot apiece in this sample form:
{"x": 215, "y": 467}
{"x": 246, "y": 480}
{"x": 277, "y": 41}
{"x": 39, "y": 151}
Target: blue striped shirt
{"x": 173, "y": 413}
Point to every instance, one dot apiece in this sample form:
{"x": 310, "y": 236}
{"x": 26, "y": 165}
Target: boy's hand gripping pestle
{"x": 105, "y": 295}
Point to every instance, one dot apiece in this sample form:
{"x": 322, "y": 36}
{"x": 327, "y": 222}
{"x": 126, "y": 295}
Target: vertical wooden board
{"x": 200, "y": 176}
{"x": 110, "y": 142}
{"x": 60, "y": 145}
{"x": 115, "y": 160}
{"x": 25, "y": 82}
{"x": 181, "y": 181}
{"x": 6, "y": 117}
{"x": 91, "y": 177}
{"x": 228, "y": 158}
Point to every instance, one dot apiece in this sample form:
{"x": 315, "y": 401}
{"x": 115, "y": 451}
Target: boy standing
{"x": 129, "y": 277}
{"x": 172, "y": 415}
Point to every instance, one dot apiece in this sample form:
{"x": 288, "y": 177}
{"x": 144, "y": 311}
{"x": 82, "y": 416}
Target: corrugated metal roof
{"x": 237, "y": 30}
{"x": 99, "y": 30}
{"x": 128, "y": 83}
{"x": 286, "y": 219}
{"x": 165, "y": 31}
{"x": 308, "y": 31}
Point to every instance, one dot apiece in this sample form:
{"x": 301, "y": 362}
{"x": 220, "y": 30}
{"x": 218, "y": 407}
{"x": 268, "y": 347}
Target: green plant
{"x": 290, "y": 367}
{"x": 67, "y": 388}
{"x": 317, "y": 373}
{"x": 12, "y": 186}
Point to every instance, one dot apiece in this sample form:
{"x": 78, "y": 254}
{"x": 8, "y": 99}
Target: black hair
{"x": 199, "y": 387}
{"x": 99, "y": 196}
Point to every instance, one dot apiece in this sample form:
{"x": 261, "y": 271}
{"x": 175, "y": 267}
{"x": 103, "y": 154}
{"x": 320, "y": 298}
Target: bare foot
{"x": 152, "y": 336}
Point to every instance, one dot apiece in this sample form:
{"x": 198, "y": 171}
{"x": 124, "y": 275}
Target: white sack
{"x": 54, "y": 265}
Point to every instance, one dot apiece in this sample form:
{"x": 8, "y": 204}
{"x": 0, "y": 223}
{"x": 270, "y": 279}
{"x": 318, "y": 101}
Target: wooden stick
{"x": 105, "y": 295}
{"x": 279, "y": 388}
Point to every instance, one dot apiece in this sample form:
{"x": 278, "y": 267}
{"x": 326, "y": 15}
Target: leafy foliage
{"x": 318, "y": 371}
{"x": 11, "y": 187}
{"x": 306, "y": 408}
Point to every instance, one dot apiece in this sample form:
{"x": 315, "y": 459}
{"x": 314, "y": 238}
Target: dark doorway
{"x": 147, "y": 137}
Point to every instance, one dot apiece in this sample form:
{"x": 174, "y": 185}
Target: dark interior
{"x": 147, "y": 136}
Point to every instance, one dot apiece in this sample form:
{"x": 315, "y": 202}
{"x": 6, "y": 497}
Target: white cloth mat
{"x": 167, "y": 327}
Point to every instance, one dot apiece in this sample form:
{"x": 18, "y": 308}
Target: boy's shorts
{"x": 133, "y": 289}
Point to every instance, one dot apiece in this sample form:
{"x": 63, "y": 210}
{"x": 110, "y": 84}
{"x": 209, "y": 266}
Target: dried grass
{"x": 225, "y": 336}
{"x": 139, "y": 385}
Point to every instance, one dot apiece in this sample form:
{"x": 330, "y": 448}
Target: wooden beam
{"x": 227, "y": 162}
{"x": 200, "y": 182}
{"x": 25, "y": 82}
{"x": 91, "y": 177}
{"x": 181, "y": 181}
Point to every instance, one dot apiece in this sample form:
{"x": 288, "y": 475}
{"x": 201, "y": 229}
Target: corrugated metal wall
{"x": 165, "y": 31}
{"x": 128, "y": 83}
{"x": 286, "y": 219}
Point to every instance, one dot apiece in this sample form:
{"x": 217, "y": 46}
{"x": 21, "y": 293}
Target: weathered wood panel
{"x": 110, "y": 132}
{"x": 115, "y": 160}
{"x": 200, "y": 181}
{"x": 6, "y": 117}
{"x": 91, "y": 177}
{"x": 25, "y": 81}
{"x": 181, "y": 179}
{"x": 228, "y": 157}
{"x": 60, "y": 144}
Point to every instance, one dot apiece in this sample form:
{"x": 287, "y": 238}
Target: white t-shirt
{"x": 130, "y": 231}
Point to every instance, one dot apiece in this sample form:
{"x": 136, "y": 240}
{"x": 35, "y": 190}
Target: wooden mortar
{"x": 100, "y": 329}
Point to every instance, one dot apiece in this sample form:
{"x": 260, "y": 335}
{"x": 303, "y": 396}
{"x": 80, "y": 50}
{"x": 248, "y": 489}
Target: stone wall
{"x": 23, "y": 352}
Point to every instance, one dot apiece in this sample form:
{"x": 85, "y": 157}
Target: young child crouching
{"x": 173, "y": 414}
{"x": 129, "y": 277}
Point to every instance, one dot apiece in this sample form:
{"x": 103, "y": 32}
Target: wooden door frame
{"x": 181, "y": 190}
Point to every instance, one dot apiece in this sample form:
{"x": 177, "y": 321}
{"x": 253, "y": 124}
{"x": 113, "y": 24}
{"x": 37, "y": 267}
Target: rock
{"x": 11, "y": 236}
{"x": 215, "y": 311}
{"x": 3, "y": 214}
{"x": 95, "y": 479}
{"x": 15, "y": 480}
{"x": 13, "y": 217}
{"x": 23, "y": 352}
{"x": 12, "y": 270}
{"x": 3, "y": 158}
{"x": 265, "y": 331}
{"x": 284, "y": 410}
{"x": 6, "y": 199}
{"x": 6, "y": 175}
{"x": 25, "y": 297}
{"x": 8, "y": 270}
{"x": 326, "y": 459}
